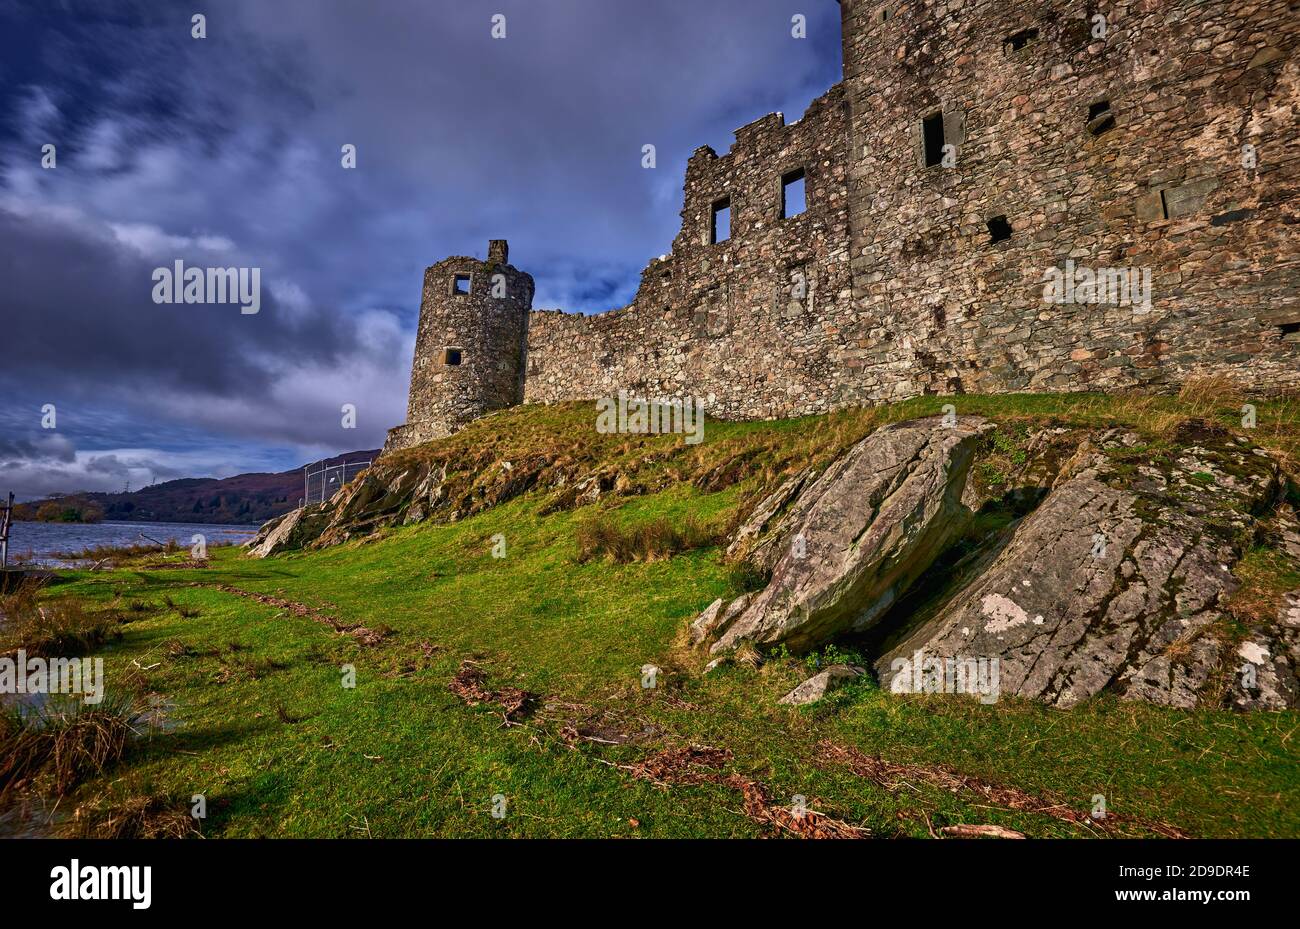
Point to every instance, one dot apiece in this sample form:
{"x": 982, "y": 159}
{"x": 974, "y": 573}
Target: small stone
{"x": 819, "y": 685}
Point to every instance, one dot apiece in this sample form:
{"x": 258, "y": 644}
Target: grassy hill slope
{"x": 244, "y": 660}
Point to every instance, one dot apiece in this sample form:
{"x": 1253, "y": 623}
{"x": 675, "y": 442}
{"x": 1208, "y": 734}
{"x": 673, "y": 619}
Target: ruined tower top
{"x": 470, "y": 346}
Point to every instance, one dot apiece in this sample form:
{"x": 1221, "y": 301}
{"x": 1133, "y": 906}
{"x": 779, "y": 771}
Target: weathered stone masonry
{"x": 1124, "y": 151}
{"x": 471, "y": 345}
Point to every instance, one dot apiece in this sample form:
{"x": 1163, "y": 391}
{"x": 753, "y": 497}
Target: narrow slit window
{"x": 720, "y": 230}
{"x": 794, "y": 198}
{"x": 451, "y": 357}
{"x": 999, "y": 229}
{"x": 1021, "y": 39}
{"x": 932, "y": 130}
{"x": 460, "y": 284}
{"x": 1100, "y": 117}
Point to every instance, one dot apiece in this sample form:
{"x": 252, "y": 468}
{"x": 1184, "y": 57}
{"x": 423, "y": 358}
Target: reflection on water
{"x": 42, "y": 543}
{"x": 30, "y": 817}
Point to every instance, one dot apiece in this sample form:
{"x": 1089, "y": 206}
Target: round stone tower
{"x": 470, "y": 352}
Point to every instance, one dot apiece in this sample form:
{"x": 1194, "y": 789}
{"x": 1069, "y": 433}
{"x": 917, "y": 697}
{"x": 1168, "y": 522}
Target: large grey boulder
{"x": 856, "y": 538}
{"x": 1118, "y": 581}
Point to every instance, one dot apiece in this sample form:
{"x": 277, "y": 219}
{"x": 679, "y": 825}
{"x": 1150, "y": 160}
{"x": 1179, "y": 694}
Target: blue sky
{"x": 225, "y": 151}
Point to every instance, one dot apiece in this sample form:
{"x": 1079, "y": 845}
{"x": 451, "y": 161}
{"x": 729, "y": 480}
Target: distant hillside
{"x": 249, "y": 499}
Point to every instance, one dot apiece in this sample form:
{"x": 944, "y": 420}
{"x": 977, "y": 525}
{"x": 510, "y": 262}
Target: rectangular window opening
{"x": 794, "y": 197}
{"x": 1100, "y": 117}
{"x": 451, "y": 357}
{"x": 1021, "y": 39}
{"x": 460, "y": 284}
{"x": 1290, "y": 331}
{"x": 999, "y": 229}
{"x": 720, "y": 230}
{"x": 932, "y": 129}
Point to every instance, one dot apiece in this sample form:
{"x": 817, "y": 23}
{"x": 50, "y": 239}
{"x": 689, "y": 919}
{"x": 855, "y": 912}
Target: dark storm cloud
{"x": 225, "y": 151}
{"x": 53, "y": 448}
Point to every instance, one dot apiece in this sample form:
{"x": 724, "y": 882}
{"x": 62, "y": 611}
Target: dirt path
{"x": 364, "y": 636}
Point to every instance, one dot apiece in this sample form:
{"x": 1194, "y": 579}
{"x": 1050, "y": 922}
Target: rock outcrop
{"x": 291, "y": 531}
{"x": 1116, "y": 574}
{"x": 401, "y": 491}
{"x": 718, "y": 615}
{"x": 1118, "y": 581}
{"x": 855, "y": 539}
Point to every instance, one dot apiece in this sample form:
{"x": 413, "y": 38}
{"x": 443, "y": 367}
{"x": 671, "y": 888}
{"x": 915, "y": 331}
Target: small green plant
{"x": 747, "y": 577}
{"x": 991, "y": 474}
{"x": 183, "y": 611}
{"x": 832, "y": 654}
{"x": 1008, "y": 446}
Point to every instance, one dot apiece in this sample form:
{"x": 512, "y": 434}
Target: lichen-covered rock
{"x": 706, "y": 621}
{"x": 1118, "y": 581}
{"x": 819, "y": 685}
{"x": 1288, "y": 532}
{"x": 265, "y": 530}
{"x": 860, "y": 535}
{"x": 1265, "y": 672}
{"x": 762, "y": 520}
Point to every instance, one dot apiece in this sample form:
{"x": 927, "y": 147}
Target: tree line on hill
{"x": 246, "y": 499}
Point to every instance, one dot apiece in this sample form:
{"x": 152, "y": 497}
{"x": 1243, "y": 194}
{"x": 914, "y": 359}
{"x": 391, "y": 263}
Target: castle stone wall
{"x": 1158, "y": 149}
{"x": 757, "y": 321}
{"x": 1165, "y": 188}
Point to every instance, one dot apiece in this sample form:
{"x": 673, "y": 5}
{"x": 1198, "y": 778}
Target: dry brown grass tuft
{"x": 57, "y": 628}
{"x": 22, "y": 599}
{"x": 652, "y": 541}
{"x": 113, "y": 556}
{"x": 1203, "y": 397}
{"x": 151, "y": 817}
{"x": 54, "y": 750}
{"x": 1266, "y": 576}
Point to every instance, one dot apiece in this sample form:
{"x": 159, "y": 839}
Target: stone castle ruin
{"x": 999, "y": 196}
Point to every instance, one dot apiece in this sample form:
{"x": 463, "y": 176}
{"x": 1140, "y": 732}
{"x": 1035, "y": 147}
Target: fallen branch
{"x": 890, "y": 775}
{"x": 981, "y": 832}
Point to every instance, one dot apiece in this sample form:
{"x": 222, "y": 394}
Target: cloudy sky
{"x": 226, "y": 151}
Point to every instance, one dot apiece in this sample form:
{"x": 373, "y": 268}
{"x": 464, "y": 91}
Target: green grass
{"x": 400, "y": 755}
